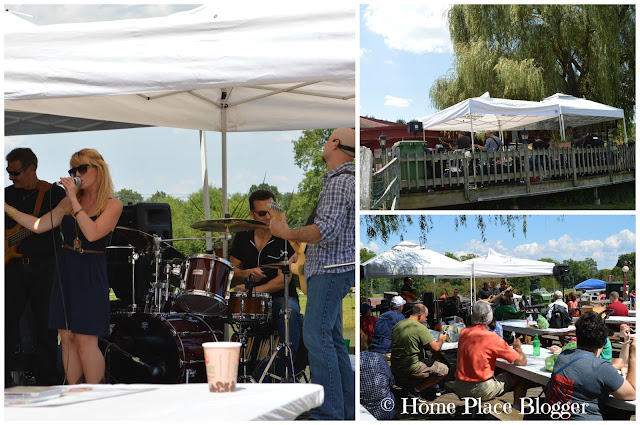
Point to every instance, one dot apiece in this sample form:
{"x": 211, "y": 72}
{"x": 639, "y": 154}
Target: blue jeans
{"x": 328, "y": 355}
{"x": 277, "y": 305}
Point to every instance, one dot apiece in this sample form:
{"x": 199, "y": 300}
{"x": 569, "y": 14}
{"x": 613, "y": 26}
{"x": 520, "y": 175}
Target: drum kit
{"x": 162, "y": 343}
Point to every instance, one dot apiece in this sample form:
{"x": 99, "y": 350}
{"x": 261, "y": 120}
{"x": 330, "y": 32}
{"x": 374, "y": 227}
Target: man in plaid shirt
{"x": 331, "y": 236}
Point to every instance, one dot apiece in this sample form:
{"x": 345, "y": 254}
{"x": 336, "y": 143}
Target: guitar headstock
{"x": 275, "y": 210}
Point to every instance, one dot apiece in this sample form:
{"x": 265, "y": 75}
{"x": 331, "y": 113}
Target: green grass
{"x": 348, "y": 311}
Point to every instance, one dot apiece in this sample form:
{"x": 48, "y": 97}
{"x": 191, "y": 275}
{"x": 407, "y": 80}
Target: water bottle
{"x": 536, "y": 346}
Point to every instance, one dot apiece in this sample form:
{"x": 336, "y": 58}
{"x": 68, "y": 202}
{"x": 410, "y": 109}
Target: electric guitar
{"x": 493, "y": 297}
{"x": 12, "y": 240}
{"x": 297, "y": 268}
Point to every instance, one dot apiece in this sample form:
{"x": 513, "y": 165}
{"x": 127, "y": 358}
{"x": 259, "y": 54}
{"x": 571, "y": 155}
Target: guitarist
{"x": 29, "y": 266}
{"x": 331, "y": 237}
{"x": 253, "y": 248}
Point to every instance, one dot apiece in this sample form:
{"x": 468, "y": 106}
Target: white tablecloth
{"x": 535, "y": 371}
{"x": 182, "y": 403}
{"x": 617, "y": 320}
{"x": 520, "y": 327}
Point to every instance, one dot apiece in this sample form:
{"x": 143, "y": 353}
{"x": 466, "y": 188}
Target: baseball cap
{"x": 398, "y": 301}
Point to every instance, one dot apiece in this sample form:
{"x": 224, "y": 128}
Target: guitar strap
{"x": 312, "y": 217}
{"x": 43, "y": 187}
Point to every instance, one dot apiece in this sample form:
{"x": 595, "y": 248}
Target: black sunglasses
{"x": 17, "y": 172}
{"x": 344, "y": 147}
{"x": 80, "y": 169}
{"x": 261, "y": 213}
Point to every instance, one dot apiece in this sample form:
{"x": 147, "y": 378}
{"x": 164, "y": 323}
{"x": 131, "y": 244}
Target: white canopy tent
{"x": 226, "y": 68}
{"x": 576, "y": 112}
{"x": 495, "y": 265}
{"x": 410, "y": 259}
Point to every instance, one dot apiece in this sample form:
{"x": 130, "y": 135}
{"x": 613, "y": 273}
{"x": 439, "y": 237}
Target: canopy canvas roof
{"x": 410, "y": 259}
{"x": 266, "y": 68}
{"x": 486, "y": 113}
{"x": 495, "y": 265}
{"x": 555, "y": 112}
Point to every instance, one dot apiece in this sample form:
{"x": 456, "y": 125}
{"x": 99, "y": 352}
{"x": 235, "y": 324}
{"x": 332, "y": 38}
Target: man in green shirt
{"x": 409, "y": 338}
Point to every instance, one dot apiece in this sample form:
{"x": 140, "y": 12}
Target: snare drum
{"x": 169, "y": 348}
{"x": 206, "y": 283}
{"x": 245, "y": 308}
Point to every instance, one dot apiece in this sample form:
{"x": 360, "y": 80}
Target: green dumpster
{"x": 614, "y": 286}
{"x": 410, "y": 147}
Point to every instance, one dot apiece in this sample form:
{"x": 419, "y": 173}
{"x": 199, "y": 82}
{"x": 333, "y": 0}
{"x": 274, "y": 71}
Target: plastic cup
{"x": 347, "y": 342}
{"x": 221, "y": 363}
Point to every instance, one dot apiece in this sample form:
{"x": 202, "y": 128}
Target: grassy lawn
{"x": 348, "y": 315}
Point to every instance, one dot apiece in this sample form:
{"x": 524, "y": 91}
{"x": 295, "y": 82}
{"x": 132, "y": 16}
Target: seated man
{"x": 478, "y": 350}
{"x": 619, "y": 309}
{"x": 409, "y": 338}
{"x": 253, "y": 248}
{"x": 381, "y": 339}
{"x": 505, "y": 306}
{"x": 557, "y": 301}
{"x": 367, "y": 321}
{"x": 581, "y": 377}
{"x": 376, "y": 381}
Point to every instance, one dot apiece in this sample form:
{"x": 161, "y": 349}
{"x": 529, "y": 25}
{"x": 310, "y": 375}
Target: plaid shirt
{"x": 376, "y": 381}
{"x": 336, "y": 219}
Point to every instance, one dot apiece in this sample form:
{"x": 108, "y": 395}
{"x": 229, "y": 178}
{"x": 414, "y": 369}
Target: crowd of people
{"x": 403, "y": 356}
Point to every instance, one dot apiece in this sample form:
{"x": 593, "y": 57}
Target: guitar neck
{"x": 16, "y": 237}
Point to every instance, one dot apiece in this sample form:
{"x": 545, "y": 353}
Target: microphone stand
{"x": 286, "y": 345}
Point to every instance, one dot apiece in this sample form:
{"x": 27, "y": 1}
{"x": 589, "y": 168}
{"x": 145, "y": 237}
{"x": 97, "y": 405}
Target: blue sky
{"x": 403, "y": 50}
{"x": 152, "y": 159}
{"x": 601, "y": 237}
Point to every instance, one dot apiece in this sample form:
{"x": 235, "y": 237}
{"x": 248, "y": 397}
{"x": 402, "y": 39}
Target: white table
{"x": 364, "y": 415}
{"x": 449, "y": 346}
{"x": 520, "y": 327}
{"x": 535, "y": 371}
{"x": 618, "y": 320}
{"x": 632, "y": 313}
{"x": 181, "y": 403}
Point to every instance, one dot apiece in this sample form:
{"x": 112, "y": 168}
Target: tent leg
{"x": 205, "y": 186}
{"x": 225, "y": 208}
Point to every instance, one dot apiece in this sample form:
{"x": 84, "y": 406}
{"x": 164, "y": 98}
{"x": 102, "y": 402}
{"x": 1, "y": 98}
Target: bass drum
{"x": 168, "y": 346}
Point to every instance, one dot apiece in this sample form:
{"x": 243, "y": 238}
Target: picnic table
{"x": 520, "y": 327}
{"x": 535, "y": 371}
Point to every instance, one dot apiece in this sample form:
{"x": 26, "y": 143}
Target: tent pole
{"x": 205, "y": 186}
{"x": 561, "y": 125}
{"x": 624, "y": 124}
{"x": 223, "y": 123}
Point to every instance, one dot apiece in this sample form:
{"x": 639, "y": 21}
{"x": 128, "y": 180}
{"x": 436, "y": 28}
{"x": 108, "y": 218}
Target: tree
{"x": 533, "y": 51}
{"x": 159, "y": 196}
{"x": 630, "y": 259}
{"x": 308, "y": 151}
{"x": 128, "y": 196}
{"x": 383, "y": 226}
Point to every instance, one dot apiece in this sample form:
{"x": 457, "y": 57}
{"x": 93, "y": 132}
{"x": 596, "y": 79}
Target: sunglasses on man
{"x": 261, "y": 213}
{"x": 82, "y": 169}
{"x": 17, "y": 172}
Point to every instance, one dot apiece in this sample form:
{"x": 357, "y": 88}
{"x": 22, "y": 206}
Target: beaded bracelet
{"x": 75, "y": 214}
{"x": 11, "y": 212}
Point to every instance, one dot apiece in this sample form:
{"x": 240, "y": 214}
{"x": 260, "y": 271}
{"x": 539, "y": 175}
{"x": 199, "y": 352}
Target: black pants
{"x": 30, "y": 284}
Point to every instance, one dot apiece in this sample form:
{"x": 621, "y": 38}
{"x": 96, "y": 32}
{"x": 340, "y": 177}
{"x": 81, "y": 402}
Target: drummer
{"x": 255, "y": 247}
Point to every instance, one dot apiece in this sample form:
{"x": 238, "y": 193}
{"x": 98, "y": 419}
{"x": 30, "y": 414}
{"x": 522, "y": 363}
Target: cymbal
{"x": 278, "y": 265}
{"x": 137, "y": 238}
{"x": 227, "y": 224}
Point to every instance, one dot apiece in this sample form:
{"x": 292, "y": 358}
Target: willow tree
{"x": 533, "y": 51}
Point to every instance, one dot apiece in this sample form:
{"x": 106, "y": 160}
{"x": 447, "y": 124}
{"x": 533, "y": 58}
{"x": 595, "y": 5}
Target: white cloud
{"x": 388, "y": 62}
{"x": 415, "y": 28}
{"x": 286, "y": 137}
{"x": 397, "y": 102}
{"x": 12, "y": 142}
{"x": 364, "y": 52}
{"x": 623, "y": 238}
{"x": 374, "y": 247}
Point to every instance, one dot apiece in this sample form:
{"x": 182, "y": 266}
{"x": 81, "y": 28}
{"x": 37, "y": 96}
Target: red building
{"x": 371, "y": 129}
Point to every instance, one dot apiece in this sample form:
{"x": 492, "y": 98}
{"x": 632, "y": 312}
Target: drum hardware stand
{"x": 286, "y": 345}
{"x": 157, "y": 289}
{"x": 134, "y": 257}
{"x": 244, "y": 361}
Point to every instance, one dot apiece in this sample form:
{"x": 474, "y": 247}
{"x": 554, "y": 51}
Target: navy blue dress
{"x": 84, "y": 284}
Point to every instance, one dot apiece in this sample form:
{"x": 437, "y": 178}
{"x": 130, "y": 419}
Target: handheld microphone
{"x": 75, "y": 179}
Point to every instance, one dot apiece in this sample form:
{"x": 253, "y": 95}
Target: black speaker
{"x": 427, "y": 301}
{"x": 414, "y": 127}
{"x": 150, "y": 217}
{"x": 561, "y": 270}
